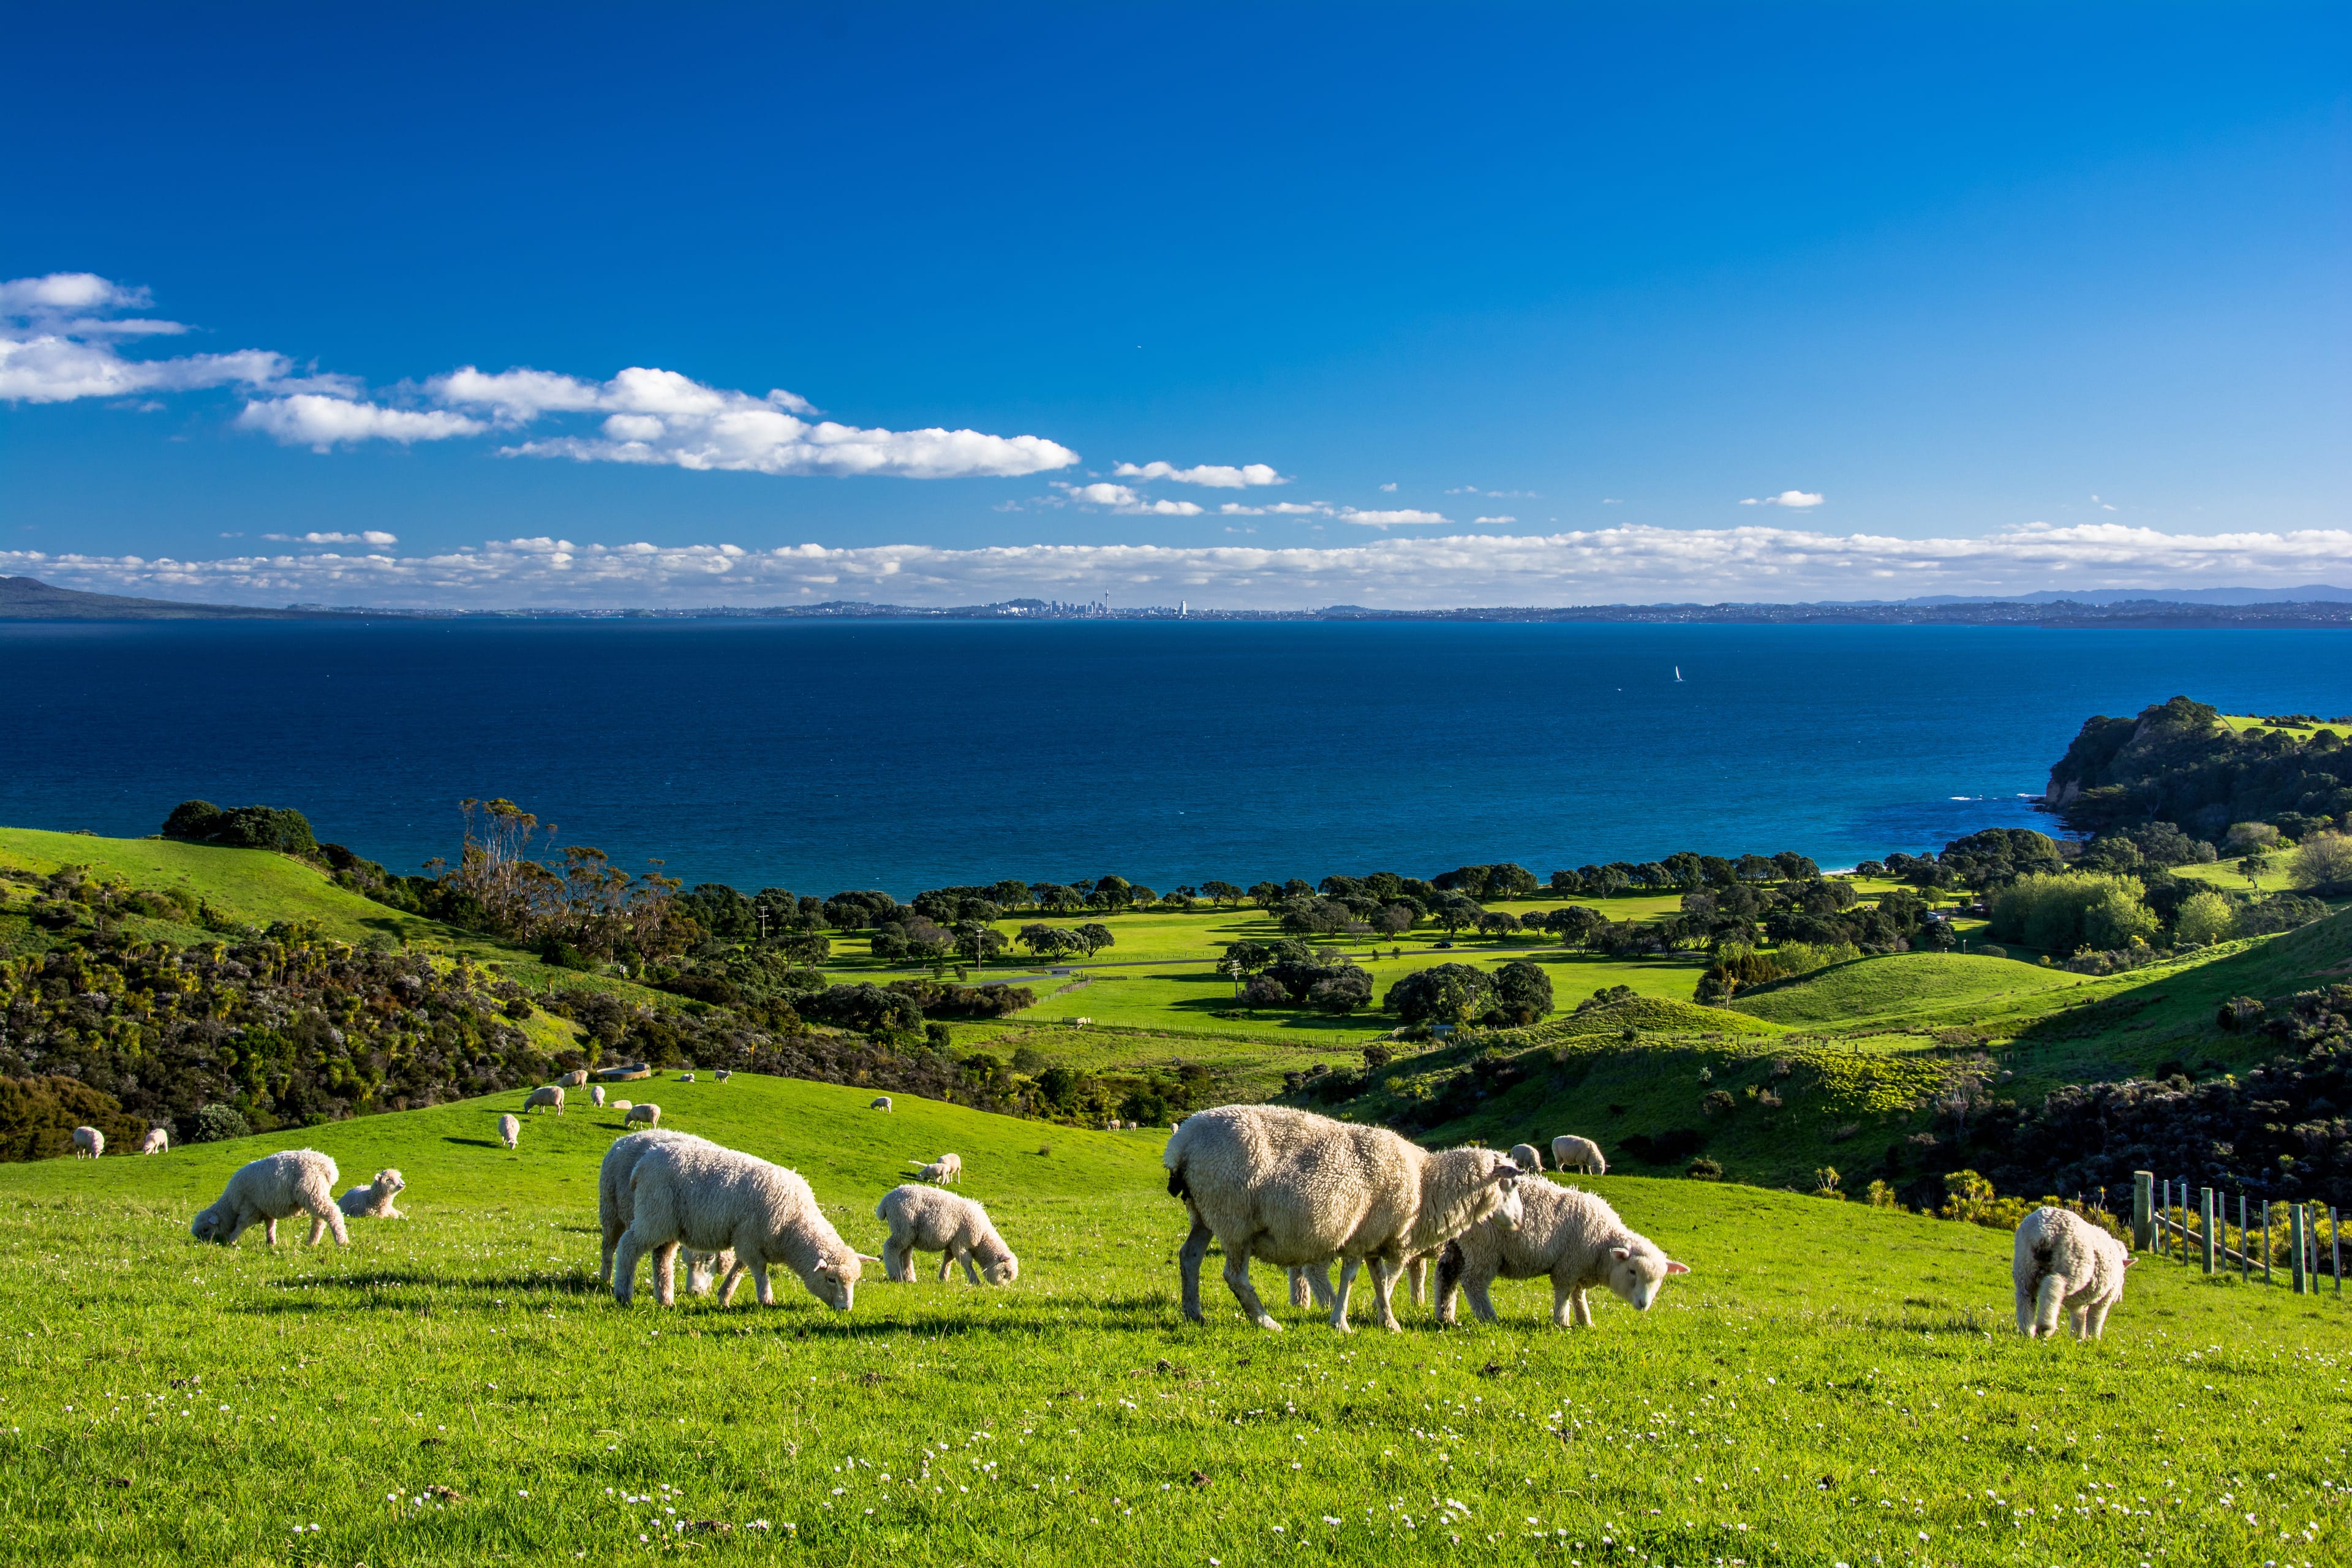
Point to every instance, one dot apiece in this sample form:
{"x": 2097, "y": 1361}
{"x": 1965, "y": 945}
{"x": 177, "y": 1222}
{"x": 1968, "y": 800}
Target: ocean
{"x": 820, "y": 755}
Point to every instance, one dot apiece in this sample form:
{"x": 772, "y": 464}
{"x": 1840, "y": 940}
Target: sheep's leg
{"x": 2025, "y": 1311}
{"x": 2051, "y": 1301}
{"x": 624, "y": 1265}
{"x": 969, "y": 1271}
{"x": 1237, "y": 1280}
{"x": 1384, "y": 1278}
{"x": 268, "y": 1232}
{"x": 604, "y": 1265}
{"x": 2082, "y": 1316}
{"x": 727, "y": 1288}
{"x": 1583, "y": 1307}
{"x": 2098, "y": 1311}
{"x": 946, "y": 1263}
{"x": 1475, "y": 1288}
{"x": 1564, "y": 1295}
{"x": 665, "y": 1274}
{"x": 1348, "y": 1266}
{"x": 1188, "y": 1266}
{"x": 761, "y": 1285}
{"x": 328, "y": 1214}
{"x": 1416, "y": 1274}
{"x": 899, "y": 1261}
{"x": 1299, "y": 1292}
{"x": 238, "y": 1224}
{"x": 1319, "y": 1280}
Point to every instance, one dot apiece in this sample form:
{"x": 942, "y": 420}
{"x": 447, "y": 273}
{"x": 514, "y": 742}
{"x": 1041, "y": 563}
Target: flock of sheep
{"x": 1267, "y": 1183}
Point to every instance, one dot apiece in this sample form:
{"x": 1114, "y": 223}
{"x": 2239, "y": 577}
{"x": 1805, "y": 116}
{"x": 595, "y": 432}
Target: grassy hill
{"x": 1909, "y": 987}
{"x": 1830, "y": 1382}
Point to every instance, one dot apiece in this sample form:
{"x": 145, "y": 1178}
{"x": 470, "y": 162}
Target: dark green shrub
{"x": 218, "y": 1124}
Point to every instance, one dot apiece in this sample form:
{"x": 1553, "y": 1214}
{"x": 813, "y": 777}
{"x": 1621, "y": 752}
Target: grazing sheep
{"x": 157, "y": 1141}
{"x": 649, "y": 1114}
{"x": 1298, "y": 1189}
{"x": 509, "y": 1130}
{"x": 711, "y": 1199}
{"x": 1573, "y": 1236}
{"x": 620, "y": 1105}
{"x": 1571, "y": 1153}
{"x": 1526, "y": 1158}
{"x": 879, "y": 1102}
{"x": 2065, "y": 1265}
{"x": 269, "y": 1190}
{"x": 374, "y": 1200}
{"x": 722, "y": 1075}
{"x": 576, "y": 1078}
{"x": 596, "y": 1095}
{"x": 924, "y": 1219}
{"x": 686, "y": 1077}
{"x": 547, "y": 1095}
{"x": 614, "y": 1204}
{"x": 945, "y": 1169}
{"x": 89, "y": 1143}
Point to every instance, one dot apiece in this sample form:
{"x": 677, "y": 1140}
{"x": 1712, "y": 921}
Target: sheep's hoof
{"x": 1268, "y": 1324}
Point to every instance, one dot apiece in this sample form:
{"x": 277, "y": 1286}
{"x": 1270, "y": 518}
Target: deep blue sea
{"x": 822, "y": 755}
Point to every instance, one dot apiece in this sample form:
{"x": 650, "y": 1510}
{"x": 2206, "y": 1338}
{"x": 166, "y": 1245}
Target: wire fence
{"x": 2300, "y": 1245}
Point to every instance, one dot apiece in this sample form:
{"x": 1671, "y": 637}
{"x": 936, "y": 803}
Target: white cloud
{"x": 1214, "y": 477}
{"x": 1121, "y": 498}
{"x": 1799, "y": 499}
{"x": 59, "y": 340}
{"x": 369, "y": 536}
{"x": 1596, "y": 566}
{"x": 1390, "y": 488}
{"x": 1493, "y": 520}
{"x": 1407, "y": 518}
{"x": 307, "y": 419}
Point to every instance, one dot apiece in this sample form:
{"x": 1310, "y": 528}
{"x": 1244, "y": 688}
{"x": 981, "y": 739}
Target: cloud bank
{"x": 1210, "y": 475}
{"x": 59, "y": 338}
{"x": 1600, "y": 566}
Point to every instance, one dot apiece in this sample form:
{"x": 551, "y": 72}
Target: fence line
{"x": 2306, "y": 1237}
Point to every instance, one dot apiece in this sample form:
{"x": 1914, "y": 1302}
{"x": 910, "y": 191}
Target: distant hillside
{"x": 30, "y": 599}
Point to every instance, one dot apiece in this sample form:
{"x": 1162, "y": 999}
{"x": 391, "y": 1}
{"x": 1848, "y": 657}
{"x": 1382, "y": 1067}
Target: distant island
{"x": 28, "y": 598}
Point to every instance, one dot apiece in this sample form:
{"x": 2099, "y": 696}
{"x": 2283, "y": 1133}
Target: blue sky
{"x": 2026, "y": 297}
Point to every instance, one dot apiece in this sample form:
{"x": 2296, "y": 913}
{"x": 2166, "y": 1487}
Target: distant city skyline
{"x": 1217, "y": 307}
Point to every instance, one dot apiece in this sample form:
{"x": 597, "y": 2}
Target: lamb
{"x": 614, "y": 1204}
{"x": 945, "y": 1169}
{"x": 879, "y": 1102}
{"x": 157, "y": 1141}
{"x": 374, "y": 1200}
{"x": 89, "y": 1143}
{"x": 508, "y": 1131}
{"x": 576, "y": 1078}
{"x": 269, "y": 1190}
{"x": 1296, "y": 1189}
{"x": 547, "y": 1095}
{"x": 686, "y": 1077}
{"x": 722, "y": 1075}
{"x": 2066, "y": 1265}
{"x": 649, "y": 1114}
{"x": 596, "y": 1095}
{"x": 1573, "y": 1236}
{"x": 1526, "y": 1158}
{"x": 924, "y": 1219}
{"x": 1571, "y": 1153}
{"x": 620, "y": 1105}
{"x": 700, "y": 1195}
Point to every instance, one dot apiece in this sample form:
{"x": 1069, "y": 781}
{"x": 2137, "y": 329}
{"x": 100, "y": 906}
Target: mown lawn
{"x": 1832, "y": 1384}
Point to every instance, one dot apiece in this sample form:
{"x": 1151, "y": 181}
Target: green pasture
{"x": 1830, "y": 1383}
{"x": 1901, "y": 986}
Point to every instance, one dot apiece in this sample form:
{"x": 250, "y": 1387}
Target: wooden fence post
{"x": 2245, "y": 1253}
{"x": 2266, "y": 1241}
{"x": 2205, "y": 1212}
{"x": 2298, "y": 1218}
{"x": 2143, "y": 1210}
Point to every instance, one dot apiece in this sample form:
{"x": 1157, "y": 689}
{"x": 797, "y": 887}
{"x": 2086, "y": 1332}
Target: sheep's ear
{"x": 869, "y": 1257}
{"x": 2129, "y": 1261}
{"x": 1621, "y": 1253}
{"x": 1673, "y": 1267}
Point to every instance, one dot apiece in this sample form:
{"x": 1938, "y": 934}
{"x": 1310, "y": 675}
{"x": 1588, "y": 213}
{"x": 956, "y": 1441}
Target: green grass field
{"x": 1875, "y": 992}
{"x": 1832, "y": 1384}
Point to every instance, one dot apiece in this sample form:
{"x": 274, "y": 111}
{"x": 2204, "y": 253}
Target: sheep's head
{"x": 1635, "y": 1277}
{"x": 1004, "y": 1270}
{"x": 1509, "y": 1207}
{"x": 207, "y": 1226}
{"x": 833, "y": 1281}
{"x": 389, "y": 1182}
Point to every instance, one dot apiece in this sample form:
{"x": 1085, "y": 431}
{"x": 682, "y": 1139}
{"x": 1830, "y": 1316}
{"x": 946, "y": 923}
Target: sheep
{"x": 700, "y": 1195}
{"x": 577, "y": 1078}
{"x": 614, "y": 1204}
{"x": 269, "y": 1190}
{"x": 374, "y": 1200}
{"x": 686, "y": 1077}
{"x": 924, "y": 1219}
{"x": 620, "y": 1105}
{"x": 509, "y": 1130}
{"x": 89, "y": 1143}
{"x": 1571, "y": 1153}
{"x": 2066, "y": 1265}
{"x": 1573, "y": 1236}
{"x": 596, "y": 1096}
{"x": 879, "y": 1102}
{"x": 1295, "y": 1188}
{"x": 546, "y": 1094}
{"x": 1525, "y": 1156}
{"x": 157, "y": 1141}
{"x": 943, "y": 1170}
{"x": 722, "y": 1075}
{"x": 649, "y": 1114}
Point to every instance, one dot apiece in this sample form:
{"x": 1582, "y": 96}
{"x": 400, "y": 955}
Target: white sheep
{"x": 300, "y": 1181}
{"x": 576, "y": 1078}
{"x": 614, "y": 1204}
{"x": 711, "y": 1199}
{"x": 1296, "y": 1189}
{"x": 157, "y": 1141}
{"x": 945, "y": 1169}
{"x": 722, "y": 1075}
{"x": 879, "y": 1102}
{"x": 1573, "y": 1236}
{"x": 1526, "y": 1157}
{"x": 374, "y": 1200}
{"x": 509, "y": 1130}
{"x": 89, "y": 1143}
{"x": 924, "y": 1219}
{"x": 2065, "y": 1265}
{"x": 649, "y": 1114}
{"x": 686, "y": 1077}
{"x": 622, "y": 1105}
{"x": 596, "y": 1095}
{"x": 547, "y": 1096}
{"x": 1569, "y": 1153}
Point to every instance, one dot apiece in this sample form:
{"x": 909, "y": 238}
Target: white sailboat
{"x": 1678, "y": 673}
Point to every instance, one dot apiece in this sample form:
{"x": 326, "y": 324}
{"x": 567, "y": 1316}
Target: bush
{"x": 1704, "y": 1170}
{"x": 218, "y": 1124}
{"x": 2205, "y": 917}
{"x": 1443, "y": 993}
{"x": 37, "y": 1116}
{"x": 2062, "y": 912}
{"x": 2322, "y": 863}
{"x": 277, "y": 827}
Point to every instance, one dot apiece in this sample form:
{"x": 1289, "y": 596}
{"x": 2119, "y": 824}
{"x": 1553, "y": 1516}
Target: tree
{"x": 1265, "y": 895}
{"x": 1442, "y": 994}
{"x": 1452, "y": 910}
{"x": 1342, "y": 993}
{"x": 1112, "y": 893}
{"x": 1139, "y": 896}
{"x": 979, "y": 942}
{"x": 1756, "y": 869}
{"x": 1395, "y": 920}
{"x": 1094, "y": 938}
{"x": 1010, "y": 894}
{"x": 1265, "y": 990}
{"x": 1498, "y": 924}
{"x": 1795, "y": 868}
{"x": 776, "y": 910}
{"x": 1055, "y": 898}
{"x": 1522, "y": 992}
{"x": 2322, "y": 862}
{"x": 2205, "y": 916}
{"x": 1566, "y": 884}
{"x": 1222, "y": 894}
{"x": 812, "y": 948}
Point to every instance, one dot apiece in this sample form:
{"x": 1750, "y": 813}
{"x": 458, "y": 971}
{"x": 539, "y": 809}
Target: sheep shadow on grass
{"x": 473, "y": 1143}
